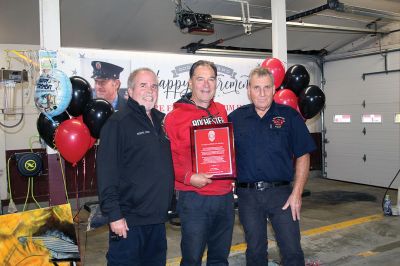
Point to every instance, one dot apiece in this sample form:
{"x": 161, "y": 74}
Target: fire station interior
{"x": 348, "y": 49}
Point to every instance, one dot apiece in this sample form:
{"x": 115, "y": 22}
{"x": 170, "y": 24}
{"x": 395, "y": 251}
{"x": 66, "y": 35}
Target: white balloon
{"x": 53, "y": 93}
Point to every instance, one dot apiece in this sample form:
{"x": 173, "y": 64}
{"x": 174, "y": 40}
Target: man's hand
{"x": 294, "y": 201}
{"x": 119, "y": 227}
{"x": 200, "y": 180}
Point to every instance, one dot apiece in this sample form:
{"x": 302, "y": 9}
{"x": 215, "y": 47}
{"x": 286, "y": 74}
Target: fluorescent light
{"x": 231, "y": 52}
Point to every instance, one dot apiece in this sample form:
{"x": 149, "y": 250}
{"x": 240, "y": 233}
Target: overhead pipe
{"x": 386, "y": 71}
{"x": 357, "y": 10}
{"x": 332, "y": 57}
{"x": 345, "y": 8}
{"x": 268, "y": 22}
{"x": 214, "y": 48}
{"x": 331, "y": 4}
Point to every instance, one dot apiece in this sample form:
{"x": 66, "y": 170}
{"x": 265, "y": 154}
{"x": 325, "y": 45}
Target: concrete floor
{"x": 342, "y": 224}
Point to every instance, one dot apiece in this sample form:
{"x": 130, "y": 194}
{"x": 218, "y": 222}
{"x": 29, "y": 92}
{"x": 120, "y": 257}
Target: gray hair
{"x": 261, "y": 72}
{"x": 132, "y": 76}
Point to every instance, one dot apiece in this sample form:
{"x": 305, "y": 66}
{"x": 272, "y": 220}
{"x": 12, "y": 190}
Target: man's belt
{"x": 261, "y": 185}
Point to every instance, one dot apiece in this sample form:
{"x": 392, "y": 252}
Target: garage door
{"x": 365, "y": 149}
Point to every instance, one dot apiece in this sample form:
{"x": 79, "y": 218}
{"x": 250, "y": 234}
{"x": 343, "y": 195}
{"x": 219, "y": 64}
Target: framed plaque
{"x": 213, "y": 150}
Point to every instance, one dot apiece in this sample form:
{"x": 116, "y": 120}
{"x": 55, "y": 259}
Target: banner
{"x": 172, "y": 71}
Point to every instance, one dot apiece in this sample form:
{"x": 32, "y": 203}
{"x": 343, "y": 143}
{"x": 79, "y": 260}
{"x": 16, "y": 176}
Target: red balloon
{"x": 80, "y": 118}
{"x": 92, "y": 139}
{"x": 277, "y": 69}
{"x": 286, "y": 97}
{"x": 92, "y": 142}
{"x": 72, "y": 140}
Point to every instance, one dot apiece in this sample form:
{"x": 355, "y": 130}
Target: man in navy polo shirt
{"x": 268, "y": 136}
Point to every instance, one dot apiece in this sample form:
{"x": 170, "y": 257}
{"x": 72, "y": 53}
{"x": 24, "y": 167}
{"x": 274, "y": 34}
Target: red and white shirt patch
{"x": 278, "y": 121}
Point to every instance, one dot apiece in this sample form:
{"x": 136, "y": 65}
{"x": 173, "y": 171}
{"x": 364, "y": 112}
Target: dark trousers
{"x": 205, "y": 220}
{"x": 146, "y": 245}
{"x": 254, "y": 209}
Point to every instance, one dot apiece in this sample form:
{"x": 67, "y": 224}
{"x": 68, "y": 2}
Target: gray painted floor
{"x": 342, "y": 224}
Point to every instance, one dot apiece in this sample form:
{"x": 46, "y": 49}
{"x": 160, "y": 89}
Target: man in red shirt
{"x": 205, "y": 205}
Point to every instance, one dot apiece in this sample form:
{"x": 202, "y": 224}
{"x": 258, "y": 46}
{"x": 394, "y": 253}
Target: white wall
{"x": 17, "y": 137}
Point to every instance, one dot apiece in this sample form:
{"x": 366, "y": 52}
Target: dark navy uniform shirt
{"x": 265, "y": 147}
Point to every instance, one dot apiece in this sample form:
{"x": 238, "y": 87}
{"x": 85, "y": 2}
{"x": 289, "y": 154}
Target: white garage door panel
{"x": 382, "y": 137}
{"x": 382, "y": 169}
{"x": 345, "y": 92}
{"x": 370, "y": 91}
{"x": 387, "y": 108}
{"x": 348, "y": 170}
{"x": 340, "y": 136}
{"x": 341, "y": 140}
{"x": 338, "y": 97}
{"x": 334, "y": 109}
{"x": 381, "y": 91}
{"x": 350, "y": 148}
{"x": 378, "y": 139}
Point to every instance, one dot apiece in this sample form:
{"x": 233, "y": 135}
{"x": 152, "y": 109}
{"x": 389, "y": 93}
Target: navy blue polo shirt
{"x": 265, "y": 147}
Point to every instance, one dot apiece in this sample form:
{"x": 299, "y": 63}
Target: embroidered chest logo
{"x": 142, "y": 132}
{"x": 278, "y": 121}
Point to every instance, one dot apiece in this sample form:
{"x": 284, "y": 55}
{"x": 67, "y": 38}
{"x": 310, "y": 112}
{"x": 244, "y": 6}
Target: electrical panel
{"x": 17, "y": 76}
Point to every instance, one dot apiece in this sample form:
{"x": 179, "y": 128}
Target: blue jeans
{"x": 205, "y": 220}
{"x": 254, "y": 208}
{"x": 146, "y": 245}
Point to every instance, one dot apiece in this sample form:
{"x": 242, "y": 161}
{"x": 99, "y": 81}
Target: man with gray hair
{"x": 135, "y": 176}
{"x": 267, "y": 138}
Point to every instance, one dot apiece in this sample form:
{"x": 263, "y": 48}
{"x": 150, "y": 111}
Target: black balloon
{"x": 81, "y": 95}
{"x": 47, "y": 128}
{"x": 296, "y": 78}
{"x": 279, "y": 88}
{"x": 311, "y": 101}
{"x": 96, "y": 113}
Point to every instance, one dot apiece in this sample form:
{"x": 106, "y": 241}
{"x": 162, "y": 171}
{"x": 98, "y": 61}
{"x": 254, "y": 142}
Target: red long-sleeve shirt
{"x": 177, "y": 126}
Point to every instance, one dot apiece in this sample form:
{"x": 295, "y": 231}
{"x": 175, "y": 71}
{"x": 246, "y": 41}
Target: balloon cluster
{"x": 70, "y": 120}
{"x": 293, "y": 88}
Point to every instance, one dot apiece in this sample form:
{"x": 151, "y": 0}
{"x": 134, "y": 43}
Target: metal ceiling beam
{"x": 232, "y": 52}
{"x": 239, "y": 51}
{"x": 328, "y": 5}
{"x": 333, "y": 28}
{"x": 350, "y": 55}
{"x": 345, "y": 8}
{"x": 368, "y": 12}
{"x": 266, "y": 22}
